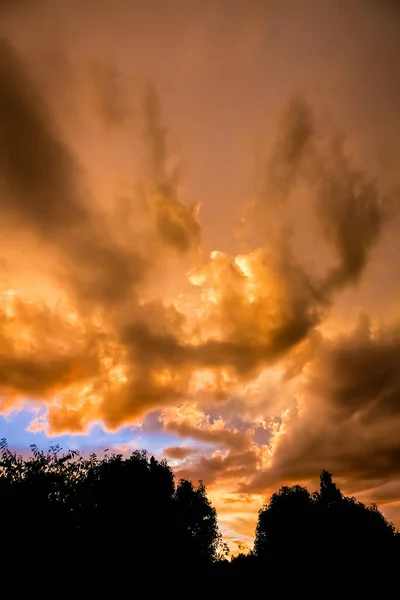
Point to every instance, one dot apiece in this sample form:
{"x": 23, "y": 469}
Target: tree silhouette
{"x": 349, "y": 530}
{"x": 197, "y": 522}
{"x": 108, "y": 504}
{"x": 328, "y": 493}
{"x": 284, "y": 524}
{"x": 126, "y": 514}
{"x": 304, "y": 531}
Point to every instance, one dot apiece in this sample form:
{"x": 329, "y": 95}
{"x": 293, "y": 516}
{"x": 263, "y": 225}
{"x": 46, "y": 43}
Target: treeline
{"x": 127, "y": 509}
{"x": 128, "y": 515}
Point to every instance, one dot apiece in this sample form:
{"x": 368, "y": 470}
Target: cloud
{"x": 42, "y": 189}
{"x": 188, "y": 421}
{"x": 177, "y": 223}
{"x": 178, "y": 452}
{"x": 352, "y": 213}
{"x": 293, "y": 143}
{"x": 230, "y": 466}
{"x": 109, "y": 98}
{"x": 35, "y": 166}
{"x": 43, "y": 352}
{"x": 349, "y": 416}
{"x": 255, "y": 308}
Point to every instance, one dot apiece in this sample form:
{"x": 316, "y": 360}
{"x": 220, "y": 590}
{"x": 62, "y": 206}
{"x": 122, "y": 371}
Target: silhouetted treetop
{"x": 329, "y": 493}
{"x": 325, "y": 527}
{"x": 105, "y": 502}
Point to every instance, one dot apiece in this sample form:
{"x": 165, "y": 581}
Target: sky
{"x": 199, "y": 219}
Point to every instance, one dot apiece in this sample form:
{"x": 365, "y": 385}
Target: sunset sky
{"x": 200, "y": 249}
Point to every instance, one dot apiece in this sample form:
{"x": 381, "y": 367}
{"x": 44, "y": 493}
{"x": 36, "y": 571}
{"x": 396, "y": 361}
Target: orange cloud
{"x": 178, "y": 452}
{"x": 253, "y": 309}
{"x": 348, "y": 417}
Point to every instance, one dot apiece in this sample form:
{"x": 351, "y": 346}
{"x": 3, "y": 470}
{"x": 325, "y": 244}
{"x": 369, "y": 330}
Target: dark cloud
{"x": 352, "y": 213}
{"x": 350, "y": 421}
{"x": 292, "y": 145}
{"x": 351, "y": 206}
{"x": 39, "y": 376}
{"x": 42, "y": 353}
{"x": 42, "y": 187}
{"x": 219, "y": 437}
{"x": 110, "y": 99}
{"x": 178, "y": 452}
{"x": 176, "y": 222}
{"x": 232, "y": 466}
{"x": 35, "y": 166}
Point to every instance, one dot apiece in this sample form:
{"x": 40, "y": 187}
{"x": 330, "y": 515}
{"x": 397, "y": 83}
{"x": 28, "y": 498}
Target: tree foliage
{"x": 127, "y": 514}
{"x": 324, "y": 528}
{"x": 107, "y": 503}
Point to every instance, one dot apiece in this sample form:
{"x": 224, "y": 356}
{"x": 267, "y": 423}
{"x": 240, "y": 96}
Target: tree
{"x": 284, "y": 524}
{"x": 198, "y": 525}
{"x": 348, "y": 529}
{"x": 301, "y": 531}
{"x": 127, "y": 508}
{"x": 329, "y": 493}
